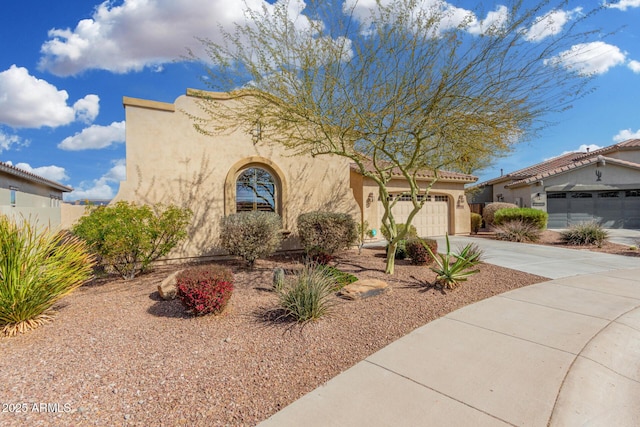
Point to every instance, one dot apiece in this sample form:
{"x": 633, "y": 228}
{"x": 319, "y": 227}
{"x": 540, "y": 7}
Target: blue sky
{"x": 65, "y": 67}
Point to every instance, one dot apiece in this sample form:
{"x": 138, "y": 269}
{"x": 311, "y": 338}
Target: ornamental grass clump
{"x": 517, "y": 231}
{"x": 204, "y": 290}
{"x": 586, "y": 233}
{"x": 37, "y": 269}
{"x": 452, "y": 268}
{"x": 307, "y": 296}
{"x": 251, "y": 235}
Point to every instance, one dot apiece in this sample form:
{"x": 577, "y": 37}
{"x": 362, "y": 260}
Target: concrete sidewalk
{"x": 564, "y": 352}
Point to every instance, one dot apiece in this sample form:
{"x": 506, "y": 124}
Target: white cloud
{"x": 103, "y": 188}
{"x": 6, "y": 141}
{"x": 137, "y": 34}
{"x": 589, "y": 58}
{"x": 95, "y": 137}
{"x": 29, "y": 102}
{"x": 624, "y": 4}
{"x": 625, "y": 134}
{"x": 581, "y": 149}
{"x": 87, "y": 108}
{"x": 53, "y": 173}
{"x": 550, "y": 24}
{"x": 634, "y": 66}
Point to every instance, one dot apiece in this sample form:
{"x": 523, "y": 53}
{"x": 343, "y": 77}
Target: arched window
{"x": 256, "y": 190}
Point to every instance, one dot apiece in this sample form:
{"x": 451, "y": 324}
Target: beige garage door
{"x": 432, "y": 220}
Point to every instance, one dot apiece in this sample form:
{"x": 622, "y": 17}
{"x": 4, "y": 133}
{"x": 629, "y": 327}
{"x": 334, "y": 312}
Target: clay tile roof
{"x": 426, "y": 174}
{"x": 12, "y": 170}
{"x": 563, "y": 163}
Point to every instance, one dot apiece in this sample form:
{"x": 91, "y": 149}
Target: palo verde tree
{"x": 400, "y": 87}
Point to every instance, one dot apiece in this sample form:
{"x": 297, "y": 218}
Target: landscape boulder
{"x": 167, "y": 289}
{"x": 364, "y": 288}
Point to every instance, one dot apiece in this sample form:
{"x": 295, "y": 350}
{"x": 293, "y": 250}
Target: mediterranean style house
{"x": 168, "y": 161}
{"x": 601, "y": 185}
{"x": 24, "y": 195}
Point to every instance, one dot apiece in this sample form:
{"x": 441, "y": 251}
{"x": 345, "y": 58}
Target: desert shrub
{"x": 37, "y": 269}
{"x": 476, "y": 222}
{"x": 533, "y": 216}
{"x": 307, "y": 296}
{"x": 251, "y": 235}
{"x": 586, "y": 233}
{"x": 517, "y": 231}
{"x": 205, "y": 289}
{"x": 319, "y": 257}
{"x": 417, "y": 250}
{"x": 473, "y": 250}
{"x": 341, "y": 278}
{"x": 326, "y": 232}
{"x": 128, "y": 238}
{"x": 490, "y": 210}
{"x": 453, "y": 268}
{"x": 412, "y": 232}
{"x": 401, "y": 249}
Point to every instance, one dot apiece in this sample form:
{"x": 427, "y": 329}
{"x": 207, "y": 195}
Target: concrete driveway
{"x": 565, "y": 352}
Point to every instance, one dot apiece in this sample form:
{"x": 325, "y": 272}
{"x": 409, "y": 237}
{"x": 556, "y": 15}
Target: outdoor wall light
{"x": 256, "y": 134}
{"x": 461, "y": 201}
{"x": 370, "y": 199}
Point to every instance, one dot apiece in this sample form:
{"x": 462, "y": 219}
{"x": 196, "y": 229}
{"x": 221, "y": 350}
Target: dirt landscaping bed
{"x": 117, "y": 354}
{"x": 552, "y": 238}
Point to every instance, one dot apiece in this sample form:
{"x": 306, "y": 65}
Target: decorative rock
{"x": 364, "y": 288}
{"x": 167, "y": 289}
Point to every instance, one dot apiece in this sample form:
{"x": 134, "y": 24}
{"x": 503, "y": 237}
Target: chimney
{"x": 501, "y": 172}
{"x": 587, "y": 149}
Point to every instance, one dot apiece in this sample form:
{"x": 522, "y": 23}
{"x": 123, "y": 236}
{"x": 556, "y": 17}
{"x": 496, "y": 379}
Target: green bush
{"x": 449, "y": 274}
{"x": 307, "y": 296}
{"x": 489, "y": 211}
{"x": 341, "y": 278}
{"x": 412, "y": 232}
{"x": 586, "y": 233}
{"x": 326, "y": 232}
{"x": 128, "y": 237}
{"x": 205, "y": 289}
{"x": 37, "y": 269}
{"x": 517, "y": 231}
{"x": 529, "y": 215}
{"x": 417, "y": 250}
{"x": 476, "y": 222}
{"x": 251, "y": 235}
{"x": 401, "y": 249}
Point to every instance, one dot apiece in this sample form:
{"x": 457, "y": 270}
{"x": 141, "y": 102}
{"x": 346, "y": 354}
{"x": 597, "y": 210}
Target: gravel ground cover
{"x": 117, "y": 354}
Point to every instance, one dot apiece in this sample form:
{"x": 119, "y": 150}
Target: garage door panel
{"x": 431, "y": 220}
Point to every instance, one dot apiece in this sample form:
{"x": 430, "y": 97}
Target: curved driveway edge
{"x": 564, "y": 352}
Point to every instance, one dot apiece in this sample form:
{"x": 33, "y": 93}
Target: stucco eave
{"x": 145, "y": 103}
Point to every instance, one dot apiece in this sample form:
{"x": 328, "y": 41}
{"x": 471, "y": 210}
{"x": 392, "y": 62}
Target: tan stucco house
{"x": 601, "y": 185}
{"x": 169, "y": 161}
{"x": 24, "y": 195}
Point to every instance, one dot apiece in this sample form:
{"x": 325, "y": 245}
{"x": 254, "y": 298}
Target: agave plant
{"x": 37, "y": 268}
{"x": 452, "y": 268}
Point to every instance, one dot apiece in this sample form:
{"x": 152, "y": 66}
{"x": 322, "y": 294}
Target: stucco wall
{"x": 33, "y": 202}
{"x": 168, "y": 161}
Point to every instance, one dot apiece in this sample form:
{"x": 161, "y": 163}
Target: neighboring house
{"x": 601, "y": 185}
{"x": 168, "y": 161}
{"x": 29, "y": 196}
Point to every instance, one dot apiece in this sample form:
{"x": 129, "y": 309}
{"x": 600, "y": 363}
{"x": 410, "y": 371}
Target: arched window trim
{"x": 263, "y": 163}
{"x": 261, "y": 189}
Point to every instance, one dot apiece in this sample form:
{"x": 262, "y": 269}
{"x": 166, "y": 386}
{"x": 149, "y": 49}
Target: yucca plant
{"x": 37, "y": 269}
{"x": 308, "y": 296}
{"x": 450, "y": 274}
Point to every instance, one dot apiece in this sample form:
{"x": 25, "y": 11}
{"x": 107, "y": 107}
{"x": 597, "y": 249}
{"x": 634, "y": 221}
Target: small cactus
{"x": 278, "y": 278}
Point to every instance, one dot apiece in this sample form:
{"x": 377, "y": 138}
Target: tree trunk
{"x": 391, "y": 258}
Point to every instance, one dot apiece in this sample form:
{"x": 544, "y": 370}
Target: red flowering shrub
{"x": 417, "y": 250}
{"x": 321, "y": 257}
{"x": 204, "y": 290}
